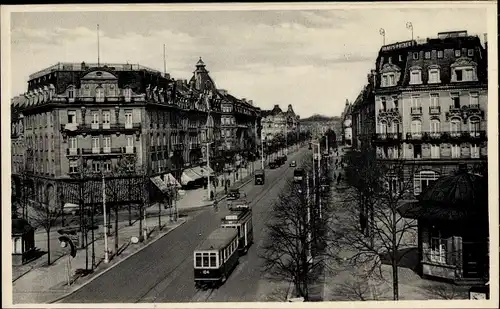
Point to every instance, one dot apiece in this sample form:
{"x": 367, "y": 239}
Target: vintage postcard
{"x": 312, "y": 155}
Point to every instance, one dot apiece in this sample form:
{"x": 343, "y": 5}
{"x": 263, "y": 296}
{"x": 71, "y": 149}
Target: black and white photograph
{"x": 226, "y": 155}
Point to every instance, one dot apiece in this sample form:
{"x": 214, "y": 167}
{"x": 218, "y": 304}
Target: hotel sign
{"x": 398, "y": 45}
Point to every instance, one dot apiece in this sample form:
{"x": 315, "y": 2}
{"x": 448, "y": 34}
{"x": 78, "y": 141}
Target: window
{"x": 213, "y": 260}
{"x": 474, "y": 99}
{"x": 107, "y": 166}
{"x": 415, "y": 101}
{"x": 455, "y": 125}
{"x": 457, "y": 53}
{"x": 106, "y": 119}
{"x": 197, "y": 260}
{"x": 222, "y": 133}
{"x": 17, "y": 245}
{"x": 95, "y": 120}
{"x": 435, "y": 126}
{"x": 437, "y": 246}
{"x": 96, "y": 166}
{"x": 456, "y": 100}
{"x": 427, "y": 55}
{"x": 73, "y": 166}
{"x": 99, "y": 94}
{"x": 415, "y": 77}
{"x": 422, "y": 180}
{"x": 383, "y": 127}
{"x": 395, "y": 103}
{"x": 384, "y": 81}
{"x": 400, "y": 58}
{"x": 459, "y": 75}
{"x": 383, "y": 104}
{"x": 73, "y": 145}
{"x": 470, "y": 52}
{"x": 455, "y": 151}
{"x": 435, "y": 151}
{"x": 128, "y": 119}
{"x": 415, "y": 56}
{"x": 417, "y": 151}
{"x": 205, "y": 260}
{"x": 434, "y": 76}
{"x": 72, "y": 117}
{"x": 71, "y": 93}
{"x": 474, "y": 151}
{"x": 468, "y": 75}
{"x": 395, "y": 127}
{"x": 474, "y": 126}
{"x": 95, "y": 144}
{"x": 107, "y": 144}
{"x": 416, "y": 127}
{"x": 434, "y": 100}
{"x": 391, "y": 80}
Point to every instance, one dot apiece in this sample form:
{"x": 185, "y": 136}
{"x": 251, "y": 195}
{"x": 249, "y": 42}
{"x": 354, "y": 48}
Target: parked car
{"x": 293, "y": 164}
{"x": 233, "y": 194}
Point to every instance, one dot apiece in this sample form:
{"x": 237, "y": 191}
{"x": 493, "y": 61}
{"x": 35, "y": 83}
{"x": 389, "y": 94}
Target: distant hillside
{"x": 320, "y": 118}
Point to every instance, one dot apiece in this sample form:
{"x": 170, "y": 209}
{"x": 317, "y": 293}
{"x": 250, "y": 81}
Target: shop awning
{"x": 171, "y": 181}
{"x": 189, "y": 175}
{"x": 160, "y": 184}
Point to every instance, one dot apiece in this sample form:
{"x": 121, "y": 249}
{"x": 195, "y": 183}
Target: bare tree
{"x": 292, "y": 238}
{"x": 377, "y": 191}
{"x": 45, "y": 212}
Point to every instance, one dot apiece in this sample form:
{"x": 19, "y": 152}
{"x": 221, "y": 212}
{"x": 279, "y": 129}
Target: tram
{"x": 241, "y": 220}
{"x": 215, "y": 258}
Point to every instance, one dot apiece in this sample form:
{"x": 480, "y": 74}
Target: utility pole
{"x": 262, "y": 149}
{"x": 106, "y": 256}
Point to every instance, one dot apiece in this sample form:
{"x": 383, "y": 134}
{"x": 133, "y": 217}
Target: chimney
{"x": 250, "y": 102}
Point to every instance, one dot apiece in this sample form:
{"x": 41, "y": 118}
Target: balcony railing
{"x": 89, "y": 128}
{"x": 416, "y": 110}
{"x": 388, "y": 136}
{"x": 448, "y": 136}
{"x": 434, "y": 110}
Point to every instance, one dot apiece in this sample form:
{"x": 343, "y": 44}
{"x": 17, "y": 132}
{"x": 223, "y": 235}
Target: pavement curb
{"x": 117, "y": 263}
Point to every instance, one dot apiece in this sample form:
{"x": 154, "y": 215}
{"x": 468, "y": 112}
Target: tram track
{"x": 177, "y": 270}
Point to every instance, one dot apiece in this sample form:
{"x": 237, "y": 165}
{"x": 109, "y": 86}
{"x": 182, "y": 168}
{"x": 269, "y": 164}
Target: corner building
{"x": 431, "y": 105}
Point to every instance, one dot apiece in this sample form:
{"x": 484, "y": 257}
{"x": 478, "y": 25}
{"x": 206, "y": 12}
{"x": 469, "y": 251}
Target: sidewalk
{"x": 343, "y": 282}
{"x": 44, "y": 284}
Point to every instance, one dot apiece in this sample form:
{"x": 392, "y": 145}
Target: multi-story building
{"x": 318, "y": 125}
{"x": 346, "y": 118}
{"x": 431, "y": 104}
{"x": 363, "y": 117}
{"x": 276, "y": 122}
{"x": 99, "y": 116}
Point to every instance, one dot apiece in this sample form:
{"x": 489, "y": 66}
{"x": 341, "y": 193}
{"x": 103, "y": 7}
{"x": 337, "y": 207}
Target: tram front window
{"x": 198, "y": 259}
{"x": 205, "y": 260}
{"x": 213, "y": 260}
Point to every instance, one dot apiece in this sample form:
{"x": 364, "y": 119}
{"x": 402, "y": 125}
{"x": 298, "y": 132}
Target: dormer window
{"x": 463, "y": 70}
{"x": 427, "y": 55}
{"x": 71, "y": 93}
{"x": 415, "y": 76}
{"x": 127, "y": 93}
{"x": 415, "y": 56}
{"x": 434, "y": 75}
{"x": 99, "y": 94}
{"x": 440, "y": 54}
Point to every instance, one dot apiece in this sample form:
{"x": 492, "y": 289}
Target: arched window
{"x": 71, "y": 93}
{"x": 127, "y": 93}
{"x": 434, "y": 75}
{"x": 416, "y": 127}
{"x": 474, "y": 126}
{"x": 455, "y": 126}
{"x": 395, "y": 126}
{"x": 383, "y": 127}
{"x": 415, "y": 77}
{"x": 435, "y": 126}
{"x": 99, "y": 94}
{"x": 422, "y": 180}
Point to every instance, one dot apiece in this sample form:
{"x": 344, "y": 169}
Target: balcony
{"x": 75, "y": 129}
{"x": 416, "y": 110}
{"x": 454, "y": 111}
{"x": 474, "y": 110}
{"x": 448, "y": 136}
{"x": 394, "y": 138}
{"x": 434, "y": 110}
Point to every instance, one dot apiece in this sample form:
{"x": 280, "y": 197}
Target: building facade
{"x": 346, "y": 118}
{"x": 100, "y": 116}
{"x": 431, "y": 104}
{"x": 363, "y": 117}
{"x": 276, "y": 122}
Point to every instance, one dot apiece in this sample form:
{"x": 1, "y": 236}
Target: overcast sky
{"x": 314, "y": 60}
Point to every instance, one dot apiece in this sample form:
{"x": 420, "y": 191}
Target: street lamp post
{"x": 262, "y": 150}
{"x": 208, "y": 165}
{"x": 319, "y": 174}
